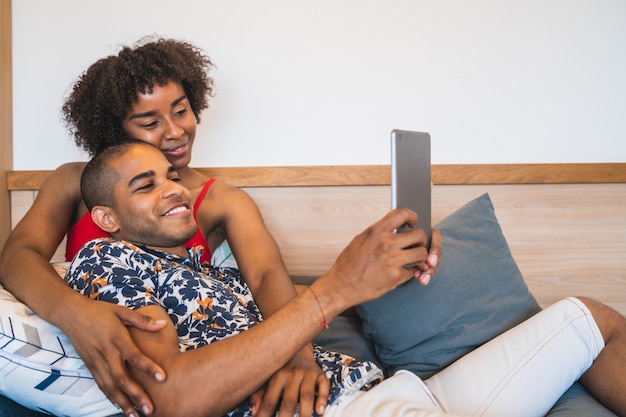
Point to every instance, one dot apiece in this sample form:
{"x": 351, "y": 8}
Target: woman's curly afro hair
{"x": 104, "y": 94}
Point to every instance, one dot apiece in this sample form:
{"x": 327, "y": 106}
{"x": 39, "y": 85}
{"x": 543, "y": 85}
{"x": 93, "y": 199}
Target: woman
{"x": 153, "y": 92}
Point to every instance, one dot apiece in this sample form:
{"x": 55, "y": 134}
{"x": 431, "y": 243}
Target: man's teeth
{"x": 176, "y": 210}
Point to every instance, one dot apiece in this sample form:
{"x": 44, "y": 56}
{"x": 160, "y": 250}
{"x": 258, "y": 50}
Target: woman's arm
{"x": 214, "y": 379}
{"x": 25, "y": 270}
{"x": 261, "y": 265}
{"x": 254, "y": 248}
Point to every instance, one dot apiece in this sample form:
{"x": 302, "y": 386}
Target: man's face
{"x": 151, "y": 206}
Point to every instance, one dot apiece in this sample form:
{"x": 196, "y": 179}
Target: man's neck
{"x": 180, "y": 251}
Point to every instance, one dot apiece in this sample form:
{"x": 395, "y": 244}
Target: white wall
{"x": 323, "y": 82}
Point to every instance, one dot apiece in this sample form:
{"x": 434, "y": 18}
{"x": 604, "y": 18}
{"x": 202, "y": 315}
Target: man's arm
{"x": 214, "y": 379}
{"x": 254, "y": 248}
{"x": 261, "y": 265}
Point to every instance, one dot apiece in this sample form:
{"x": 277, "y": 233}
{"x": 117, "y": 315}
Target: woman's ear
{"x": 105, "y": 218}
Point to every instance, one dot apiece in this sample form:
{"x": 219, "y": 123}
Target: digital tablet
{"x": 410, "y": 175}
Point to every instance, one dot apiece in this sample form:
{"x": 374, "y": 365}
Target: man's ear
{"x": 105, "y": 218}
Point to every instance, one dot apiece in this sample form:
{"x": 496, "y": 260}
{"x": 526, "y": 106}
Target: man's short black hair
{"x": 97, "y": 183}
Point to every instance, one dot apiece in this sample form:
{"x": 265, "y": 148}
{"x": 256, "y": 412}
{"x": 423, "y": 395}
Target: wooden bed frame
{"x": 565, "y": 223}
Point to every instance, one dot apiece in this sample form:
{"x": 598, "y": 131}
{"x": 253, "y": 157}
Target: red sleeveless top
{"x": 85, "y": 230}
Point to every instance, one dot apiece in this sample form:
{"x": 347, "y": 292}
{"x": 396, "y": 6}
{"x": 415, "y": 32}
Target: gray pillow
{"x": 477, "y": 293}
{"x": 344, "y": 335}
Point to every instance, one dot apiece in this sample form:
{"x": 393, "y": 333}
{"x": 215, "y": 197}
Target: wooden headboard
{"x": 565, "y": 223}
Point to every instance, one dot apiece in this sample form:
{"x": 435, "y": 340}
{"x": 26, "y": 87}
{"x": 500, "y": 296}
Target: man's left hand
{"x": 300, "y": 384}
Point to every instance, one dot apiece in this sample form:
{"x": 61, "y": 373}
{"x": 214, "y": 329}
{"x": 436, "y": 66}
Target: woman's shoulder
{"x": 70, "y": 168}
{"x": 63, "y": 183}
{"x": 218, "y": 202}
{"x": 213, "y": 190}
{"x": 70, "y": 171}
{"x": 221, "y": 196}
{"x": 220, "y": 188}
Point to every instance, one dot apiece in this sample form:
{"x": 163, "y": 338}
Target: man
{"x": 217, "y": 350}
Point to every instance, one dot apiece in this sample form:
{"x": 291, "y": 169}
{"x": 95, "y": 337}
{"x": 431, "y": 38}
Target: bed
{"x": 562, "y": 231}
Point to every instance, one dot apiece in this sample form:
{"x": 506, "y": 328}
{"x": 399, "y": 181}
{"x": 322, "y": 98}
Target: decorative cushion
{"x": 344, "y": 335}
{"x": 223, "y": 256}
{"x": 39, "y": 367}
{"x": 477, "y": 293}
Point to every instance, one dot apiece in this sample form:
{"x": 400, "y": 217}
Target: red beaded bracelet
{"x": 324, "y": 322}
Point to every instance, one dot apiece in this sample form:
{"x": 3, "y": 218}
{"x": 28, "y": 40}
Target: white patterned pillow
{"x": 39, "y": 367}
{"x": 223, "y": 256}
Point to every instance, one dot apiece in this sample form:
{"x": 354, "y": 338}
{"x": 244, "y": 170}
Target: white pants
{"x": 522, "y": 372}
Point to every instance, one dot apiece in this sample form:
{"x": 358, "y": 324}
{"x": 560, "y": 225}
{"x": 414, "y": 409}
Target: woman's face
{"x": 164, "y": 118}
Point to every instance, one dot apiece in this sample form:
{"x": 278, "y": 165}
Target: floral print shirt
{"x": 205, "y": 303}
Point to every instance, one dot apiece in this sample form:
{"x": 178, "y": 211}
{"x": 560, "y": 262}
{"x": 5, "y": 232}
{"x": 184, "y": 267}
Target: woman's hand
{"x": 99, "y": 335}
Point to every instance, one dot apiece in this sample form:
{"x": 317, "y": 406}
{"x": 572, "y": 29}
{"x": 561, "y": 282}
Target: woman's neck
{"x": 191, "y": 178}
